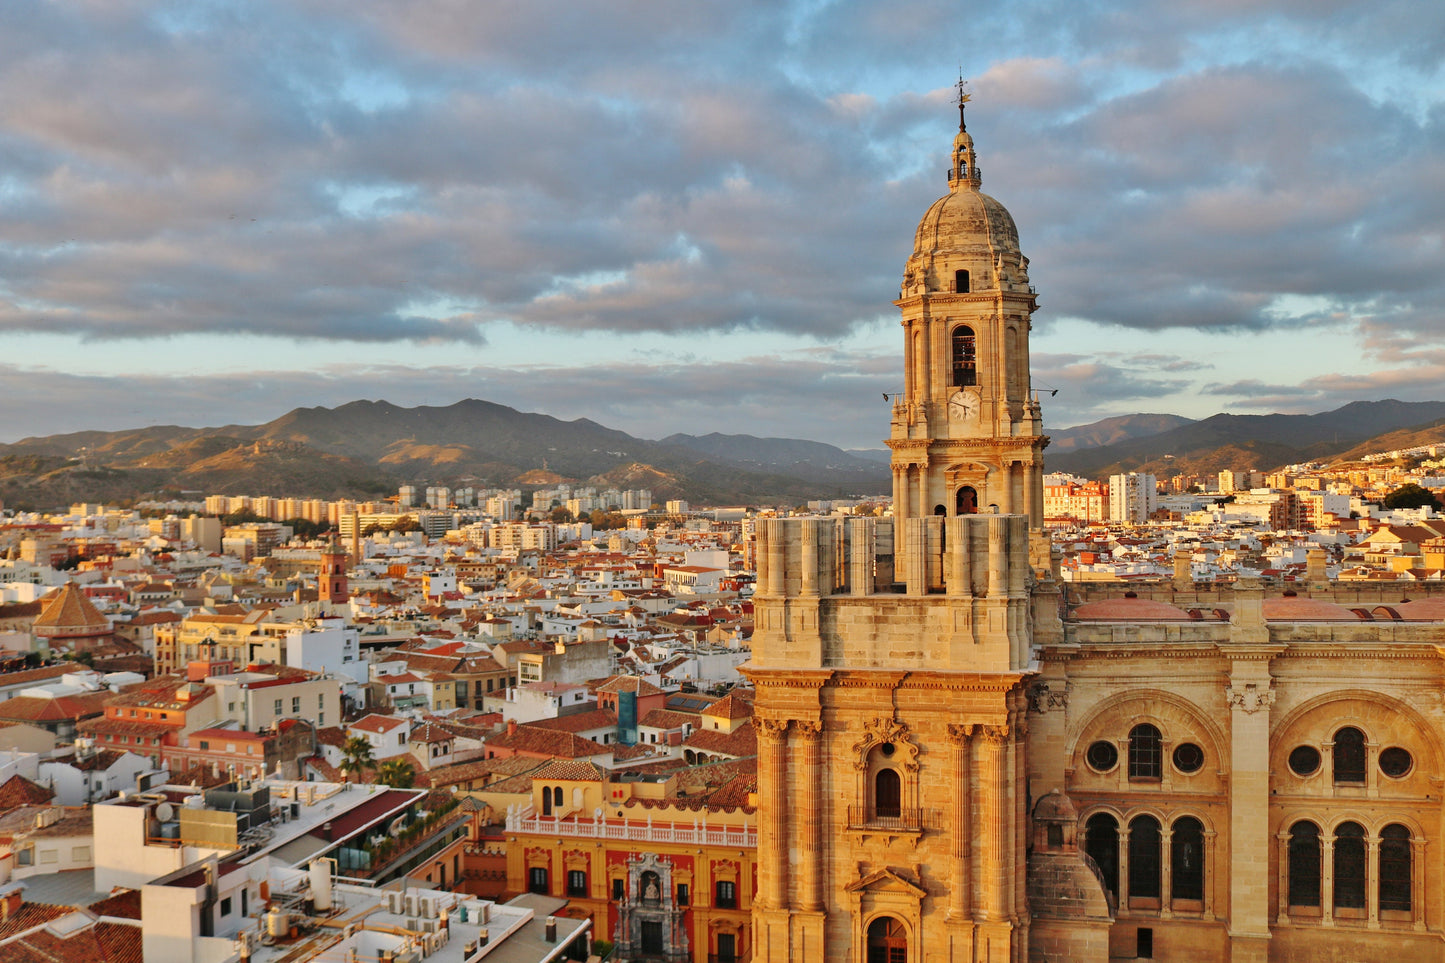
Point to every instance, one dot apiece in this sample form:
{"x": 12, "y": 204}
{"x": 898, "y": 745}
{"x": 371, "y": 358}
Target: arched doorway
{"x": 967, "y": 501}
{"x": 887, "y": 941}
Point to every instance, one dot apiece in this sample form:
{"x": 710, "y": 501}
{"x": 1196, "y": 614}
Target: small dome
{"x": 1129, "y": 610}
{"x": 1055, "y": 807}
{"x": 1422, "y": 610}
{"x": 1300, "y": 609}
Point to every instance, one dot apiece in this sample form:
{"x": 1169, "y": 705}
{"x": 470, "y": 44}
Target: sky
{"x": 693, "y": 216}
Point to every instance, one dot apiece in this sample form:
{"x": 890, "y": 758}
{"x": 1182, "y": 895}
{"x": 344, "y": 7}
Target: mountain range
{"x": 368, "y": 448}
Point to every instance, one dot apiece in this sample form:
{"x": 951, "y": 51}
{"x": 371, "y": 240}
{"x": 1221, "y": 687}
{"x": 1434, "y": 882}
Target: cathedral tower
{"x": 967, "y": 435}
{"x": 890, "y": 654}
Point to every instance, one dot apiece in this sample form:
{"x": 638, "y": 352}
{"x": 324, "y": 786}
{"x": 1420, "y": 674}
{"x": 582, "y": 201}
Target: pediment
{"x": 886, "y": 881}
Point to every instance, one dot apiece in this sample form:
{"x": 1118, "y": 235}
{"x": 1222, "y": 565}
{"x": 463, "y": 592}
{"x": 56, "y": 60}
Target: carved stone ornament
{"x": 1043, "y": 697}
{"x": 1250, "y": 697}
{"x": 771, "y": 728}
{"x": 882, "y": 730}
{"x": 960, "y": 733}
{"x": 994, "y": 734}
{"x": 808, "y": 730}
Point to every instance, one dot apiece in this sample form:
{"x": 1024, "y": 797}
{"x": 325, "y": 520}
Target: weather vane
{"x": 963, "y": 97}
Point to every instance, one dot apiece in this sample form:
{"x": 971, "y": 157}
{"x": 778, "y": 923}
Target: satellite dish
{"x": 165, "y": 812}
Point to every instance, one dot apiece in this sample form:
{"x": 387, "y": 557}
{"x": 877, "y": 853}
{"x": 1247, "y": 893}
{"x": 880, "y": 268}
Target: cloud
{"x": 426, "y": 172}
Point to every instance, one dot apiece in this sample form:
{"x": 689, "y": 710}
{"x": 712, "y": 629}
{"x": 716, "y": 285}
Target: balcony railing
{"x": 527, "y": 821}
{"x": 895, "y": 820}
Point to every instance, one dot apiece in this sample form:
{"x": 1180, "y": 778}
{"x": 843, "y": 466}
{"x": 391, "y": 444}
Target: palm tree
{"x": 356, "y": 755}
{"x": 396, "y": 773}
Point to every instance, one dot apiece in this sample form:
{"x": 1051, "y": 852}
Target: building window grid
{"x": 1351, "y": 852}
{"x": 1142, "y": 860}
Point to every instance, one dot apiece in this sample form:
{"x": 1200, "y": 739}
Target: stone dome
{"x": 966, "y": 221}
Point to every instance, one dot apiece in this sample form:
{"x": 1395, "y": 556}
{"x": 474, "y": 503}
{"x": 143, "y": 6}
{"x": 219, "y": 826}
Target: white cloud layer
{"x": 394, "y": 175}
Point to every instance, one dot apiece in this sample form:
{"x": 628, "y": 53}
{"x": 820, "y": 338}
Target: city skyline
{"x": 690, "y": 219}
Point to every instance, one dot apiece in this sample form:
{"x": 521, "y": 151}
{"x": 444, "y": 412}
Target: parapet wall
{"x": 843, "y": 593}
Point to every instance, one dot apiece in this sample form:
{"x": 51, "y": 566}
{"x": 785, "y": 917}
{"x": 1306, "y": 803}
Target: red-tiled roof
{"x": 741, "y": 742}
{"x": 577, "y": 769}
{"x": 730, "y": 707}
{"x": 19, "y": 791}
{"x": 36, "y": 709}
{"x": 579, "y": 721}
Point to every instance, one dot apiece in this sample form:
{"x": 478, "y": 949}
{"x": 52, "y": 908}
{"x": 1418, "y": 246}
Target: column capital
{"x": 991, "y": 735}
{"x": 960, "y": 733}
{"x": 809, "y": 729}
{"x": 775, "y": 729}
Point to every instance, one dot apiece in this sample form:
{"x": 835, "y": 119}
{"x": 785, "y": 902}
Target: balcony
{"x": 697, "y": 833}
{"x": 868, "y": 820}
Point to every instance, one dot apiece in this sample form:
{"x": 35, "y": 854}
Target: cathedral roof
{"x": 1422, "y": 610}
{"x": 1297, "y": 608}
{"x": 1128, "y": 610}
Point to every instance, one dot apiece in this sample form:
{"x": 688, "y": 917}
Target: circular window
{"x": 1304, "y": 760}
{"x": 1188, "y": 757}
{"x": 1102, "y": 755}
{"x": 887, "y": 748}
{"x": 1395, "y": 762}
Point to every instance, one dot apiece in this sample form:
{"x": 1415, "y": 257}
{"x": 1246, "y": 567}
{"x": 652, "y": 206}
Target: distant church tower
{"x": 331, "y": 585}
{"x": 890, "y": 655}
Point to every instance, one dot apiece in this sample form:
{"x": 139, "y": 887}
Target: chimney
{"x": 511, "y": 727}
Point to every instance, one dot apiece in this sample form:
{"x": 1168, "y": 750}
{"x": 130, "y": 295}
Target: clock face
{"x": 963, "y": 405}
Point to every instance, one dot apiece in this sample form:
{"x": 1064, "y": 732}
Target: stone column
{"x": 809, "y": 550}
{"x": 1282, "y": 839}
{"x": 1372, "y": 881}
{"x": 773, "y": 842}
{"x": 1417, "y": 881}
{"x": 1209, "y": 877}
{"x": 1166, "y": 872}
{"x": 1006, "y": 496}
{"x": 777, "y": 549}
{"x": 1327, "y": 878}
{"x": 997, "y": 557}
{"x": 959, "y": 736}
{"x": 991, "y": 826}
{"x": 809, "y": 800}
{"x": 1030, "y": 504}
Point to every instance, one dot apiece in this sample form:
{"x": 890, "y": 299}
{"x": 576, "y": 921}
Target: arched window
{"x": 966, "y": 501}
{"x": 546, "y": 801}
{"x": 887, "y": 794}
{"x": 1395, "y": 869}
{"x": 965, "y": 356}
{"x": 557, "y": 796}
{"x": 1186, "y": 859}
{"x": 1349, "y": 866}
{"x": 1146, "y": 752}
{"x": 1101, "y": 844}
{"x": 960, "y": 282}
{"x": 1349, "y": 755}
{"x": 1304, "y": 864}
{"x": 887, "y": 941}
{"x": 1144, "y": 858}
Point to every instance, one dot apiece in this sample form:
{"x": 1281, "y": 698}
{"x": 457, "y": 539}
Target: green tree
{"x": 561, "y": 515}
{"x": 356, "y": 755}
{"x": 305, "y": 527}
{"x": 1409, "y": 496}
{"x": 242, "y": 517}
{"x": 406, "y": 523}
{"x": 396, "y": 773}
